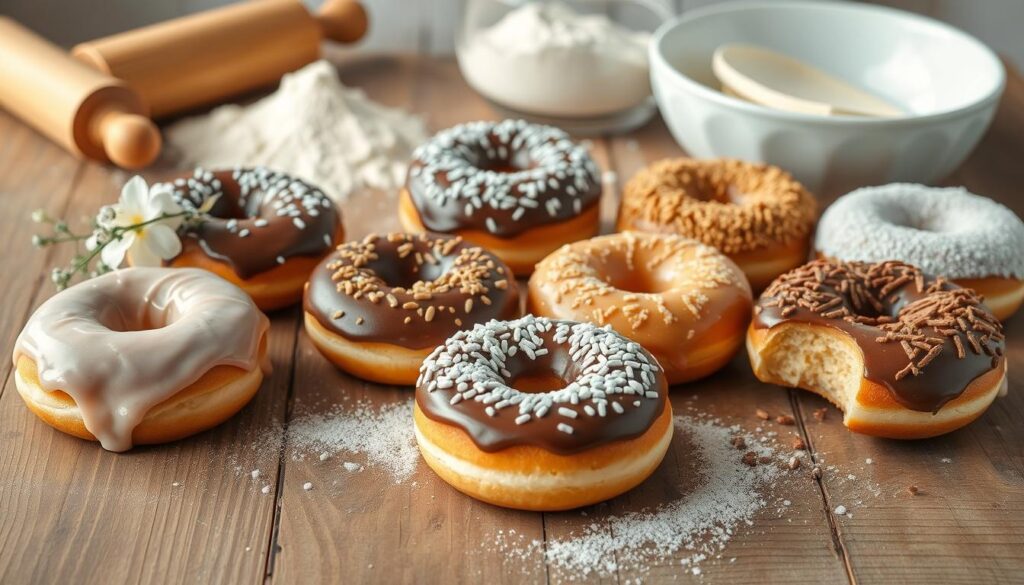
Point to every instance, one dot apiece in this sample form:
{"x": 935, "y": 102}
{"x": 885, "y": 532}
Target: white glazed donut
{"x": 951, "y": 232}
{"x": 142, "y": 355}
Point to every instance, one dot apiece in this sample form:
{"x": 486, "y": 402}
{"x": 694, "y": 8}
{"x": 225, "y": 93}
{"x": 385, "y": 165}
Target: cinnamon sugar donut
{"x": 265, "y": 232}
{"x": 378, "y": 306}
{"x": 518, "y": 189}
{"x": 904, "y": 355}
{"x": 684, "y": 302}
{"x": 542, "y": 415}
{"x": 971, "y": 239}
{"x": 756, "y": 214}
{"x": 142, "y": 356}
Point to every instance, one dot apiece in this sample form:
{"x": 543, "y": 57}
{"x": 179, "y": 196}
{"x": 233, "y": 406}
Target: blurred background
{"x": 427, "y": 26}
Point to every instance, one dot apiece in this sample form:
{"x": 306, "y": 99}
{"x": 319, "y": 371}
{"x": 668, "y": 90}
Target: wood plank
{"x": 109, "y": 517}
{"x": 965, "y": 526}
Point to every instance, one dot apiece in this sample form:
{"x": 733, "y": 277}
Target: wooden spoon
{"x": 779, "y": 81}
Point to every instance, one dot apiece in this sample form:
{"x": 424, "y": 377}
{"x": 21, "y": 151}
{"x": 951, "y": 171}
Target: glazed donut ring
{"x": 970, "y": 239}
{"x": 903, "y": 355}
{"x": 755, "y": 214}
{"x": 520, "y": 190}
{"x": 266, "y": 231}
{"x": 142, "y": 355}
{"x": 684, "y": 302}
{"x": 378, "y": 306}
{"x": 542, "y": 415}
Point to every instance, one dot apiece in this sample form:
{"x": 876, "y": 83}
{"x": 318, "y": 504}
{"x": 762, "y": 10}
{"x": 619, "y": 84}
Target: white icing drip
{"x": 943, "y": 231}
{"x": 124, "y": 342}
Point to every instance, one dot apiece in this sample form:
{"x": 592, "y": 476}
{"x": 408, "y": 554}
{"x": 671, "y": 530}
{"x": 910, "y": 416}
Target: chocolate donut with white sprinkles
{"x": 542, "y": 414}
{"x": 265, "y": 230}
{"x": 521, "y": 190}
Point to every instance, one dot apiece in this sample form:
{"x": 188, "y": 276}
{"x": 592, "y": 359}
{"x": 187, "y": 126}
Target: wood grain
{"x": 71, "y": 512}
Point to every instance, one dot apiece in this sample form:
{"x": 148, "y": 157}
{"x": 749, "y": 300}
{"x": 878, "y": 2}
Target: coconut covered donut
{"x": 970, "y": 239}
{"x": 378, "y": 306}
{"x": 142, "y": 356}
{"x": 542, "y": 415}
{"x": 756, "y": 214}
{"x": 902, "y": 354}
{"x": 520, "y": 190}
{"x": 264, "y": 232}
{"x": 684, "y": 302}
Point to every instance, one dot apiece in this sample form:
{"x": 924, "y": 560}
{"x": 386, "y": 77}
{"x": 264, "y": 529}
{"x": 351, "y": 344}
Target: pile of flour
{"x": 312, "y": 127}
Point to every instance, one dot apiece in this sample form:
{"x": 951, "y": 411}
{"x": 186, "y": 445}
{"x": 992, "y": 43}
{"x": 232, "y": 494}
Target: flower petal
{"x": 161, "y": 202}
{"x": 134, "y": 195}
{"x": 113, "y": 253}
{"x": 141, "y": 254}
{"x": 162, "y": 241}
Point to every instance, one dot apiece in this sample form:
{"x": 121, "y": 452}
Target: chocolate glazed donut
{"x": 261, "y": 218}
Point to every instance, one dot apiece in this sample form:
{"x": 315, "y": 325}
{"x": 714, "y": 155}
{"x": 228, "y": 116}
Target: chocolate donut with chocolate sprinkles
{"x": 265, "y": 230}
{"x": 522, "y": 190}
{"x": 904, "y": 354}
{"x": 376, "y": 307}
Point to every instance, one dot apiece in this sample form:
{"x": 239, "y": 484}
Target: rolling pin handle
{"x": 343, "y": 21}
{"x": 131, "y": 141}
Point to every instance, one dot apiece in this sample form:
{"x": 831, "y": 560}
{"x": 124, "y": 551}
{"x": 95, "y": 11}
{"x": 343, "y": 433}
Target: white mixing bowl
{"x": 947, "y": 81}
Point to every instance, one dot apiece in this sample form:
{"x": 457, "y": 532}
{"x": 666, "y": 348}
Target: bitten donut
{"x": 265, "y": 232}
{"x": 904, "y": 355}
{"x": 756, "y": 214}
{"x": 142, "y": 356}
{"x": 378, "y": 306}
{"x": 537, "y": 414}
{"x": 684, "y": 302}
{"x": 520, "y": 190}
{"x": 971, "y": 239}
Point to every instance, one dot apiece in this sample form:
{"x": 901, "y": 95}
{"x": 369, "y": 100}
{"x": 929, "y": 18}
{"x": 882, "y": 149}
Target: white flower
{"x": 146, "y": 245}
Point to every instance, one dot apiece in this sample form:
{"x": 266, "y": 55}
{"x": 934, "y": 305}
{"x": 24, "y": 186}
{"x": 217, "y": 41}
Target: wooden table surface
{"x": 71, "y": 512}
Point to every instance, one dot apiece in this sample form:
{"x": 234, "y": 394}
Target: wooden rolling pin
{"x": 207, "y": 57}
{"x": 90, "y": 114}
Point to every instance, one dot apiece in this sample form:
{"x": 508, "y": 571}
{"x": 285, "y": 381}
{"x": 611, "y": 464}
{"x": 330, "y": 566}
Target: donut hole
{"x": 631, "y": 279}
{"x": 540, "y": 375}
{"x": 117, "y": 320}
{"x": 406, "y": 272}
{"x": 514, "y": 162}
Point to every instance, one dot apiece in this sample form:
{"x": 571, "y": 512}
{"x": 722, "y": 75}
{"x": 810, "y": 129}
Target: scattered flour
{"x": 314, "y": 127}
{"x": 382, "y": 434}
{"x": 698, "y": 526}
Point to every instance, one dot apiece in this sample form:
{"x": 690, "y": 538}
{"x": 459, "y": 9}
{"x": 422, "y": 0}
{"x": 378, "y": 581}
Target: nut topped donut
{"x": 971, "y": 239}
{"x": 521, "y": 190}
{"x": 265, "y": 233}
{"x": 904, "y": 355}
{"x": 685, "y": 302}
{"x": 376, "y": 307}
{"x": 756, "y": 214}
{"x": 542, "y": 415}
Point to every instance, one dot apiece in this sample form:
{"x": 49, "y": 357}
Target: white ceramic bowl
{"x": 947, "y": 81}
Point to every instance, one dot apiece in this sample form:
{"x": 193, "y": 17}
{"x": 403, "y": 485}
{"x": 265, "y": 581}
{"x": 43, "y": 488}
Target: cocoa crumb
{"x": 794, "y": 463}
{"x": 739, "y": 443}
{"x": 765, "y": 459}
{"x": 761, "y": 414}
{"x": 820, "y": 414}
{"x": 816, "y": 472}
{"x": 750, "y": 458}
{"x": 785, "y": 419}
{"x": 913, "y": 490}
{"x": 799, "y": 444}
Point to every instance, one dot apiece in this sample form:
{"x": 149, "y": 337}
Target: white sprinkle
{"x": 325, "y": 456}
{"x": 350, "y": 466}
{"x": 565, "y": 428}
{"x": 244, "y": 233}
{"x": 567, "y": 412}
{"x": 266, "y": 489}
{"x": 255, "y": 473}
{"x": 840, "y": 510}
{"x": 869, "y": 461}
{"x": 299, "y": 223}
{"x": 307, "y": 486}
{"x": 523, "y": 419}
{"x": 175, "y": 484}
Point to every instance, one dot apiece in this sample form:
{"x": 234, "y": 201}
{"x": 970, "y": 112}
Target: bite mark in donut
{"x": 400, "y": 295}
{"x": 903, "y": 354}
{"x": 756, "y": 214}
{"x": 504, "y": 180}
{"x": 685, "y": 302}
{"x": 600, "y": 430}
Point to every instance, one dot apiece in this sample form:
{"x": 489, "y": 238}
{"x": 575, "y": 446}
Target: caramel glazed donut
{"x": 142, "y": 356}
{"x": 971, "y": 239}
{"x": 904, "y": 356}
{"x": 756, "y": 214}
{"x": 265, "y": 232}
{"x": 377, "y": 307}
{"x": 684, "y": 302}
{"x": 520, "y": 190}
{"x": 542, "y": 415}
